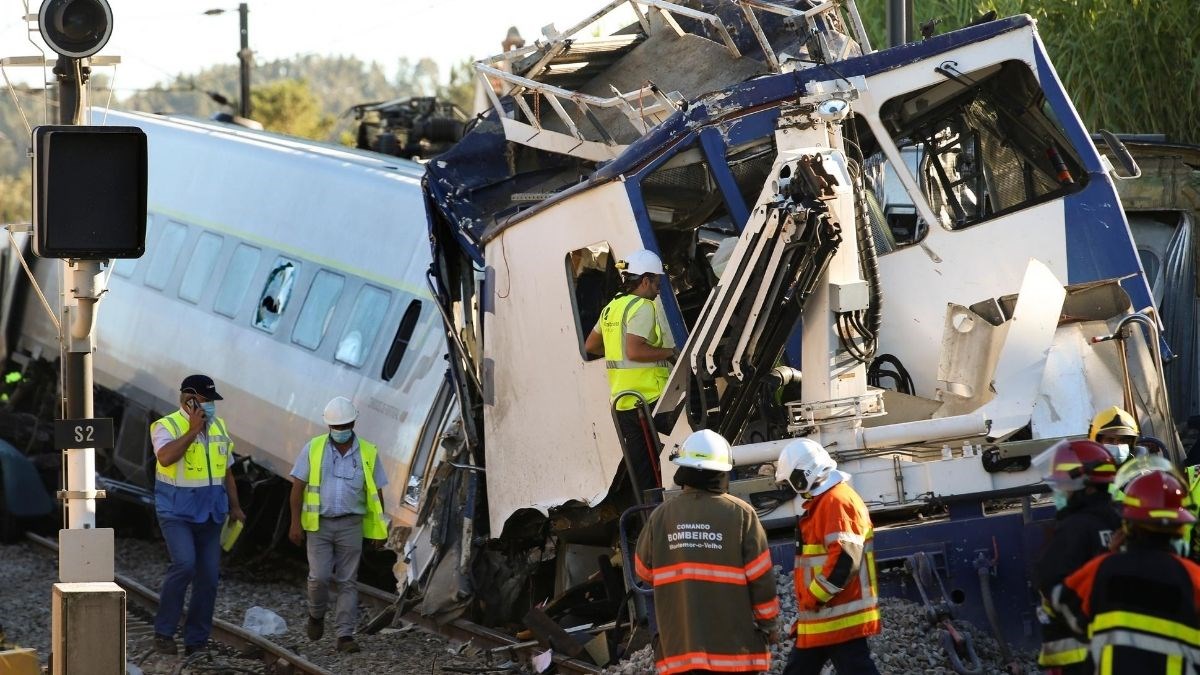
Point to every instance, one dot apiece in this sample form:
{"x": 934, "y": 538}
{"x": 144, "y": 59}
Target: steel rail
{"x": 280, "y": 659}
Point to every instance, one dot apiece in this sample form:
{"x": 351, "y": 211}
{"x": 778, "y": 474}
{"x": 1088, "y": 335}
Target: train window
{"x": 200, "y": 266}
{"x": 359, "y": 334}
{"x": 275, "y": 294}
{"x": 165, "y": 255}
{"x": 317, "y": 309}
{"x": 593, "y": 281}
{"x": 408, "y": 323}
{"x": 241, "y": 268}
{"x": 125, "y": 267}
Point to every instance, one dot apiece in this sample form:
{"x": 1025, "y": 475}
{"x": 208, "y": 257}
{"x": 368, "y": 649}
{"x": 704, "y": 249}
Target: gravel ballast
{"x": 906, "y": 645}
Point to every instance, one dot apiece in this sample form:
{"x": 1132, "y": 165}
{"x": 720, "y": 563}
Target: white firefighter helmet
{"x": 641, "y": 262}
{"x": 804, "y": 465}
{"x": 706, "y": 450}
{"x": 340, "y": 411}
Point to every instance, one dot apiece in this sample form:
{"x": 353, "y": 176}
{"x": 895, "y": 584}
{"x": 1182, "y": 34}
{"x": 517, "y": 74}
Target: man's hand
{"x": 808, "y": 603}
{"x": 236, "y": 513}
{"x": 196, "y": 418}
{"x": 296, "y": 534}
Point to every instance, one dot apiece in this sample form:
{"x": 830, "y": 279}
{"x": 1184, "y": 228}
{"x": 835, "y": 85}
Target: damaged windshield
{"x": 980, "y": 145}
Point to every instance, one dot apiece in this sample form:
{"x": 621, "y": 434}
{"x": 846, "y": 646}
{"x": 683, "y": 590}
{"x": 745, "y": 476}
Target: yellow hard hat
{"x": 1113, "y": 421}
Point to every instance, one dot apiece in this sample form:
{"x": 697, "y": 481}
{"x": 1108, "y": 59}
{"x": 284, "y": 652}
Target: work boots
{"x": 165, "y": 644}
{"x": 347, "y": 645}
{"x": 315, "y": 627}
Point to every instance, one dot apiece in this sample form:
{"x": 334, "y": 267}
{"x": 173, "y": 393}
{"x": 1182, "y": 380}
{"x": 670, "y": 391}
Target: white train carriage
{"x": 291, "y": 272}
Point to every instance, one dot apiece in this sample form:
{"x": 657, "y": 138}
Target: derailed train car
{"x": 926, "y": 234}
{"x": 288, "y": 270}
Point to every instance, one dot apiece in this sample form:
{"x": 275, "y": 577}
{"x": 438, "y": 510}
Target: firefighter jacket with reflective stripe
{"x": 705, "y": 554}
{"x": 1081, "y": 532}
{"x": 1137, "y": 608}
{"x": 203, "y": 465}
{"x": 836, "y": 589}
{"x": 647, "y": 379}
{"x": 374, "y": 526}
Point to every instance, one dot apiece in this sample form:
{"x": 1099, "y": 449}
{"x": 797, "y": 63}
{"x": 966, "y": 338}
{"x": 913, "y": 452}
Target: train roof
{"x": 234, "y": 133}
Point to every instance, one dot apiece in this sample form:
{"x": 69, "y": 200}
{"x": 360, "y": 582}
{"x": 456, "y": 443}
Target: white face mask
{"x": 1060, "y": 499}
{"x": 1119, "y": 452}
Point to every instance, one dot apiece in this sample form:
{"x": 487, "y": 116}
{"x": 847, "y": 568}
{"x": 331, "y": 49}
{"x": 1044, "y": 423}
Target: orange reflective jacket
{"x": 836, "y": 590}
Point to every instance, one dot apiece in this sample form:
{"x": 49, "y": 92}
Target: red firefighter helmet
{"x": 1077, "y": 463}
{"x": 1158, "y": 501}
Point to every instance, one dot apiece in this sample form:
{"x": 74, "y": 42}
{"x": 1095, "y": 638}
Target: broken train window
{"x": 275, "y": 294}
{"x": 984, "y": 144}
{"x": 593, "y": 278}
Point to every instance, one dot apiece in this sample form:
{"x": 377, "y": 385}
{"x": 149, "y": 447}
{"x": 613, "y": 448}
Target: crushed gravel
{"x": 905, "y": 646}
{"x": 28, "y": 573}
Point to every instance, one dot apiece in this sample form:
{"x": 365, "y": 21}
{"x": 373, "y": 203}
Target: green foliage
{"x": 460, "y": 88}
{"x": 16, "y": 197}
{"x": 1130, "y": 66}
{"x": 290, "y": 107}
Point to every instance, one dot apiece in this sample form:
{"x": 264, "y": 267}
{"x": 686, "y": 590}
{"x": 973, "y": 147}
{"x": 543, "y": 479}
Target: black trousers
{"x": 849, "y": 658}
{"x": 640, "y": 444}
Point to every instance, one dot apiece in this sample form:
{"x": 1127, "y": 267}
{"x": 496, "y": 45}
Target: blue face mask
{"x": 1180, "y": 546}
{"x": 340, "y": 435}
{"x": 1061, "y": 499}
{"x": 210, "y": 409}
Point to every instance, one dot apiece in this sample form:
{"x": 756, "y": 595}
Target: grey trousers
{"x": 333, "y": 554}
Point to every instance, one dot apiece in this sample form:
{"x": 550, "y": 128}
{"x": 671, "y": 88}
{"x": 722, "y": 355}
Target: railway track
{"x": 277, "y": 659}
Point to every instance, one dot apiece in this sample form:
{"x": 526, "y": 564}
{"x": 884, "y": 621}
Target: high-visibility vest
{"x": 203, "y": 465}
{"x": 835, "y": 564}
{"x": 1138, "y": 608}
{"x": 647, "y": 379}
{"x": 374, "y": 526}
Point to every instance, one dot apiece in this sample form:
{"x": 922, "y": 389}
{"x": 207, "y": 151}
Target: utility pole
{"x": 244, "y": 59}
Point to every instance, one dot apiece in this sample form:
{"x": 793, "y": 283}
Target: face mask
{"x": 340, "y": 435}
{"x": 1061, "y": 499}
{"x": 1120, "y": 452}
{"x": 210, "y": 409}
{"x": 1180, "y": 546}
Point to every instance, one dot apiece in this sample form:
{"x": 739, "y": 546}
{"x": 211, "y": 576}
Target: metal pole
{"x": 897, "y": 22}
{"x": 81, "y": 281}
{"x": 244, "y": 56}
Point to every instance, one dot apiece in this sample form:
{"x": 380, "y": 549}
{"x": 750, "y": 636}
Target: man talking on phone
{"x": 193, "y": 494}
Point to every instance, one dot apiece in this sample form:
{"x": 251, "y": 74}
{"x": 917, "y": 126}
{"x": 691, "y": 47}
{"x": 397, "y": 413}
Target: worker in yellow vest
{"x": 637, "y": 352}
{"x": 336, "y": 502}
{"x": 193, "y": 495}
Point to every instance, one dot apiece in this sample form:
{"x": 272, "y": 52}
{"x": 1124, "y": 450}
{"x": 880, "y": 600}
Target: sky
{"x": 159, "y": 39}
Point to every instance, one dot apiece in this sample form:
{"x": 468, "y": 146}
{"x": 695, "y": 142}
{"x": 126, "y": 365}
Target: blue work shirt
{"x": 194, "y": 505}
{"x": 343, "y": 486}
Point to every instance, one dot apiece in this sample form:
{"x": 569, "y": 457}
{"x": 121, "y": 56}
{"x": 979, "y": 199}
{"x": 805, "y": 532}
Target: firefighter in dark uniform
{"x": 1080, "y": 473}
{"x": 705, "y": 554}
{"x": 1138, "y": 606}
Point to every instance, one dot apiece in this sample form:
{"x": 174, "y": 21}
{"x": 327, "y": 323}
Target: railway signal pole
{"x": 89, "y": 205}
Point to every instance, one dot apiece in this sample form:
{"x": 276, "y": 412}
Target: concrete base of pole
{"x": 88, "y": 629}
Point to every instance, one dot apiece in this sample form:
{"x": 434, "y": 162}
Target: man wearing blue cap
{"x": 193, "y": 494}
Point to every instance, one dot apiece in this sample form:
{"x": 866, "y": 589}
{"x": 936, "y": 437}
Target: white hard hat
{"x": 340, "y": 411}
{"x": 641, "y": 262}
{"x": 706, "y": 450}
{"x": 804, "y": 465}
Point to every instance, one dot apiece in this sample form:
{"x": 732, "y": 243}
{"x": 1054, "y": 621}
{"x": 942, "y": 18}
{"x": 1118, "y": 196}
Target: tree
{"x": 1128, "y": 65}
{"x": 289, "y": 107}
{"x": 16, "y": 197}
